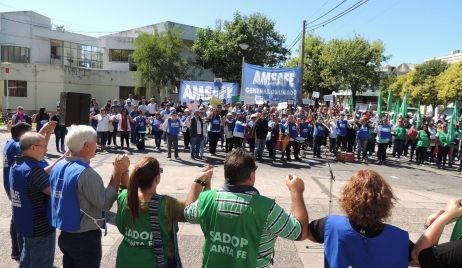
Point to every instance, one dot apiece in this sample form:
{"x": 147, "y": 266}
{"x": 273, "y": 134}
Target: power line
{"x": 299, "y": 36}
{"x": 295, "y": 41}
{"x": 338, "y": 16}
{"x": 327, "y": 13}
{"x": 317, "y": 10}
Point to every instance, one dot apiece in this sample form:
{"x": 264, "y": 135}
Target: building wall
{"x": 45, "y": 82}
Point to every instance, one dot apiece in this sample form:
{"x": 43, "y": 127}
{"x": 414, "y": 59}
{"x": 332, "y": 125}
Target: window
{"x": 137, "y": 92}
{"x": 82, "y": 55}
{"x": 121, "y": 55}
{"x": 16, "y": 88}
{"x": 15, "y": 54}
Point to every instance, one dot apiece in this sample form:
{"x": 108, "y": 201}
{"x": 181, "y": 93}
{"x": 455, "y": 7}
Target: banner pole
{"x": 242, "y": 75}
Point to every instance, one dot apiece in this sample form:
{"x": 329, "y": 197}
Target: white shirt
{"x": 119, "y": 117}
{"x": 143, "y": 108}
{"x": 103, "y": 123}
{"x": 152, "y": 107}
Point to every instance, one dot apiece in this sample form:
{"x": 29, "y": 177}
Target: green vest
{"x": 136, "y": 249}
{"x": 232, "y": 241}
{"x": 442, "y": 139}
{"x": 400, "y": 133}
{"x": 423, "y": 139}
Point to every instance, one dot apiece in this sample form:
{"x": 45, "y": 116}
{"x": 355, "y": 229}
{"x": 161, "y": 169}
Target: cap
{"x": 172, "y": 109}
{"x": 186, "y": 110}
{"x": 253, "y": 116}
{"x": 173, "y": 112}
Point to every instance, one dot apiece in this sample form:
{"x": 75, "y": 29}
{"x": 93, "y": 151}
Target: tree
{"x": 352, "y": 64}
{"x": 425, "y": 92}
{"x": 429, "y": 68}
{"x": 220, "y": 51}
{"x": 312, "y": 79}
{"x": 158, "y": 58}
{"x": 449, "y": 84}
{"x": 402, "y": 84}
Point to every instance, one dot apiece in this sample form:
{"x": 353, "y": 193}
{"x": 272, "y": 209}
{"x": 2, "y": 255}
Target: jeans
{"x": 112, "y": 136}
{"x": 158, "y": 138}
{"x": 333, "y": 145}
{"x": 38, "y": 251}
{"x": 186, "y": 138}
{"x": 317, "y": 146}
{"x": 259, "y": 147}
{"x": 442, "y": 156}
{"x": 195, "y": 145}
{"x": 398, "y": 148}
{"x": 16, "y": 240}
{"x": 295, "y": 146}
{"x": 229, "y": 144}
{"x": 342, "y": 142}
{"x": 102, "y": 137}
{"x": 421, "y": 155}
{"x": 362, "y": 149}
{"x": 140, "y": 137}
{"x": 60, "y": 134}
{"x": 124, "y": 136}
{"x": 172, "y": 141}
{"x": 238, "y": 142}
{"x": 81, "y": 249}
{"x": 213, "y": 141}
{"x": 382, "y": 151}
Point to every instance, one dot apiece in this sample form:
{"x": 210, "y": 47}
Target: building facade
{"x": 46, "y": 61}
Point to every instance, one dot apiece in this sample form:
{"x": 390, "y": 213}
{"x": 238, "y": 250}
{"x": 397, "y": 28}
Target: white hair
{"x": 78, "y": 135}
{"x": 29, "y": 139}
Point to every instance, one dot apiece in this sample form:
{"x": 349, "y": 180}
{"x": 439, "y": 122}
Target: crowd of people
{"x": 239, "y": 224}
{"x": 286, "y": 134}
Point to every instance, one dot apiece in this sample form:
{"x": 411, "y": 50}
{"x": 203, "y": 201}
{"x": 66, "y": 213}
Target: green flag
{"x": 457, "y": 231}
{"x": 350, "y": 103}
{"x": 452, "y": 124}
{"x": 389, "y": 102}
{"x": 394, "y": 121}
{"x": 403, "y": 109}
{"x": 379, "y": 105}
{"x": 419, "y": 117}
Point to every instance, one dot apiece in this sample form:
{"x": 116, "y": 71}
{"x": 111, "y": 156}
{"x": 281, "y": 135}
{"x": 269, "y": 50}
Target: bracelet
{"x": 426, "y": 226}
{"x": 202, "y": 183}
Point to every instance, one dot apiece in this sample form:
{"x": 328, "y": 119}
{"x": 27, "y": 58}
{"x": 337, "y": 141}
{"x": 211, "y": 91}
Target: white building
{"x": 454, "y": 57}
{"x": 46, "y": 61}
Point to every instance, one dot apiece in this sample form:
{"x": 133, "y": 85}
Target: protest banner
{"x": 271, "y": 84}
{"x": 195, "y": 90}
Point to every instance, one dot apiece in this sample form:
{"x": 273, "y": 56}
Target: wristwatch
{"x": 202, "y": 183}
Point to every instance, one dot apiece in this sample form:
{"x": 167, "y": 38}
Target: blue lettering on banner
{"x": 271, "y": 84}
{"x": 195, "y": 90}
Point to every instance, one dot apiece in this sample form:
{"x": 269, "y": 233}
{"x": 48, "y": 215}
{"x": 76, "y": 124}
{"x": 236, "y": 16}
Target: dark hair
{"x": 238, "y": 166}
{"x": 124, "y": 109}
{"x": 142, "y": 177}
{"x": 19, "y": 129}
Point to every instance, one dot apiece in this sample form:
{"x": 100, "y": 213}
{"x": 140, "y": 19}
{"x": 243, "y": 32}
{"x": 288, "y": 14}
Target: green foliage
{"x": 220, "y": 51}
{"x": 402, "y": 84}
{"x": 312, "y": 79}
{"x": 158, "y": 58}
{"x": 425, "y": 92}
{"x": 352, "y": 64}
{"x": 449, "y": 84}
{"x": 429, "y": 68}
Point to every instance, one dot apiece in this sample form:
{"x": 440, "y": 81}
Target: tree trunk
{"x": 353, "y": 95}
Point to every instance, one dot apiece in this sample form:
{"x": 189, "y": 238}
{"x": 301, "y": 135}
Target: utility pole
{"x": 302, "y": 63}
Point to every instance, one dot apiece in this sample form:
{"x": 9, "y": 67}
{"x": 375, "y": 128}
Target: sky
{"x": 411, "y": 30}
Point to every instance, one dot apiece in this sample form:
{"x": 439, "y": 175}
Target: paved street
{"x": 420, "y": 191}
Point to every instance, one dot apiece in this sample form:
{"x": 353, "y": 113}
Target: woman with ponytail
{"x": 149, "y": 221}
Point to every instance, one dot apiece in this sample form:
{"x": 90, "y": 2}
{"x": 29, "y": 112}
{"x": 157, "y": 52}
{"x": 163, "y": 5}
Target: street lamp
{"x": 244, "y": 47}
{"x": 6, "y": 66}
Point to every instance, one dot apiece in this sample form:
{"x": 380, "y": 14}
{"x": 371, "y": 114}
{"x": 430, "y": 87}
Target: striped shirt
{"x": 279, "y": 222}
{"x": 37, "y": 182}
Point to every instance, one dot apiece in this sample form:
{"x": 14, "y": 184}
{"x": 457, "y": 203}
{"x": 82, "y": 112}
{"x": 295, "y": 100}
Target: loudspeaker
{"x": 75, "y": 108}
